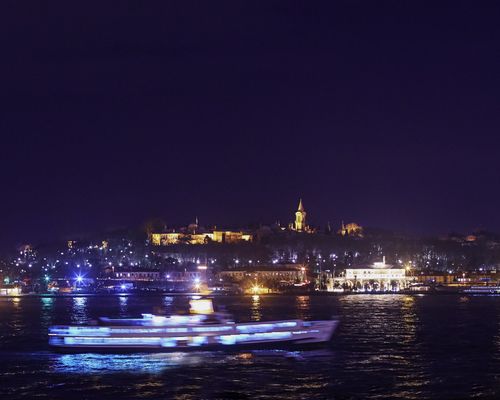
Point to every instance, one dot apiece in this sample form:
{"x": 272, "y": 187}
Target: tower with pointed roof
{"x": 300, "y": 218}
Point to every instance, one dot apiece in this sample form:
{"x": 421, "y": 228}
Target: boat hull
{"x": 284, "y": 345}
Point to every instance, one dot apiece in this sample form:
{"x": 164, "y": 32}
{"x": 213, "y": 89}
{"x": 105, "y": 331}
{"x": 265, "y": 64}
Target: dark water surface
{"x": 387, "y": 346}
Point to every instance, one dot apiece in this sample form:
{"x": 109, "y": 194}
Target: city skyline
{"x": 159, "y": 224}
{"x": 212, "y": 116}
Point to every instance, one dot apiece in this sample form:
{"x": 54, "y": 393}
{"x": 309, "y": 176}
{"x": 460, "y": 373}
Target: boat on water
{"x": 487, "y": 290}
{"x": 203, "y": 329}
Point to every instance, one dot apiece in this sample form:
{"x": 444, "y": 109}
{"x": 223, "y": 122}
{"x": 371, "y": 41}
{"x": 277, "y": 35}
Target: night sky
{"x": 383, "y": 113}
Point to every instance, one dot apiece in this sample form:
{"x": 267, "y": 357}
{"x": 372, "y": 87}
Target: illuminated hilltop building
{"x": 169, "y": 238}
{"x": 352, "y": 229}
{"x": 300, "y": 224}
{"x": 194, "y": 234}
{"x": 300, "y": 217}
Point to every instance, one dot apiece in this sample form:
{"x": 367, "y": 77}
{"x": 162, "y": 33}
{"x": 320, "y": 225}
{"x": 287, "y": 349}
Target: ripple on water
{"x": 392, "y": 346}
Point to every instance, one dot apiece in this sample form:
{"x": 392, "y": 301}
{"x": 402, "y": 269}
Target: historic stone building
{"x": 351, "y": 229}
{"x": 194, "y": 234}
{"x": 300, "y": 224}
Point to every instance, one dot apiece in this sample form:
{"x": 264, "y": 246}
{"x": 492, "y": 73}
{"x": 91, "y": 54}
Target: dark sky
{"x": 385, "y": 113}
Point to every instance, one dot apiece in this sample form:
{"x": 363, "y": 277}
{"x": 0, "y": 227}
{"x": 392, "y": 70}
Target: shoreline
{"x": 183, "y": 294}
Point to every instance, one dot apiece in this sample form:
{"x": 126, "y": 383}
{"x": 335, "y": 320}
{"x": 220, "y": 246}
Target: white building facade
{"x": 376, "y": 277}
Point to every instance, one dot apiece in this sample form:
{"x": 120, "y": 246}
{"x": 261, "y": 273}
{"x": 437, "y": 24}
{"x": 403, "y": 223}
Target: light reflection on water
{"x": 390, "y": 317}
{"x": 12, "y": 321}
{"x": 47, "y": 303}
{"x": 167, "y": 301}
{"x": 47, "y": 311}
{"x": 497, "y": 344}
{"x": 386, "y": 337}
{"x": 132, "y": 363}
{"x": 153, "y": 363}
{"x": 386, "y": 346}
{"x": 15, "y": 301}
{"x": 256, "y": 311}
{"x": 303, "y": 305}
{"x": 79, "y": 314}
{"x": 122, "y": 303}
{"x": 409, "y": 319}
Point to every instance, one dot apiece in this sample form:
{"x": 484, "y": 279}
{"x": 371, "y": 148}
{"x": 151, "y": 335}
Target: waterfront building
{"x": 437, "y": 278}
{"x": 10, "y": 290}
{"x": 186, "y": 276}
{"x": 458, "y": 279}
{"x": 141, "y": 275}
{"x": 378, "y": 276}
{"x": 198, "y": 274}
{"x": 288, "y": 274}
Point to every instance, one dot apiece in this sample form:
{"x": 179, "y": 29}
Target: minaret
{"x": 300, "y": 218}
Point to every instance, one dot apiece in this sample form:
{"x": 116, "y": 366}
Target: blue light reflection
{"x": 79, "y": 314}
{"x": 91, "y": 363}
{"x": 156, "y": 363}
{"x": 123, "y": 304}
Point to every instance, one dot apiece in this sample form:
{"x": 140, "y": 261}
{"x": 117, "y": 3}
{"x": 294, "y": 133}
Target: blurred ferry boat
{"x": 488, "y": 290}
{"x": 201, "y": 330}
